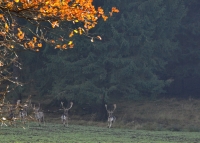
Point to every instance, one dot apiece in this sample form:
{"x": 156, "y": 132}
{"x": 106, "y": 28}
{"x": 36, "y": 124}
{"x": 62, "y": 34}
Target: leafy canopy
{"x": 24, "y": 24}
{"x": 52, "y": 11}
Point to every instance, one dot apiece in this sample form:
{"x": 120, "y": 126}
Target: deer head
{"x": 115, "y": 106}
{"x": 71, "y": 104}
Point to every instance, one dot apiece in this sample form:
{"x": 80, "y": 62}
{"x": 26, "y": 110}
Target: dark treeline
{"x": 149, "y": 50}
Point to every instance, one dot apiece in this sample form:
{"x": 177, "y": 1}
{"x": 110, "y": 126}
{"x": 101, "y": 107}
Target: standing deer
{"x": 65, "y": 116}
{"x": 111, "y": 118}
{"x": 39, "y": 116}
{"x": 22, "y": 111}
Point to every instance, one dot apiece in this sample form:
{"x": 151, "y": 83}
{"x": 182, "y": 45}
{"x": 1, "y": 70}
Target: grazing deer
{"x": 111, "y": 118}
{"x": 39, "y": 116}
{"x": 65, "y": 116}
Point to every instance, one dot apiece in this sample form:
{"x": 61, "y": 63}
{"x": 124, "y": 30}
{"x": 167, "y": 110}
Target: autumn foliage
{"x": 51, "y": 11}
{"x": 28, "y": 24}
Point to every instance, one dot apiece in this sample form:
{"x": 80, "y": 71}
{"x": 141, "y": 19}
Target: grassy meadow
{"x": 56, "y": 133}
{"x": 162, "y": 121}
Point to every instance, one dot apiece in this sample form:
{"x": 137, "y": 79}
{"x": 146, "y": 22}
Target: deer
{"x": 23, "y": 109}
{"x": 111, "y": 118}
{"x": 39, "y": 116}
{"x": 65, "y": 116}
{"x": 11, "y": 117}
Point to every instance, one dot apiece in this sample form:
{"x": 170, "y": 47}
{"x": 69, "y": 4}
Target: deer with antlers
{"x": 23, "y": 109}
{"x": 111, "y": 118}
{"x": 39, "y": 116}
{"x": 65, "y": 116}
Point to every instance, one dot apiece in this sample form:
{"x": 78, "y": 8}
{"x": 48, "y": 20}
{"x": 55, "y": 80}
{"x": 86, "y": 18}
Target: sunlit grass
{"x": 56, "y": 133}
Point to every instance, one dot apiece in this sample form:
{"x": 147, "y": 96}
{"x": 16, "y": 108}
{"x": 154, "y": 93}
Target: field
{"x": 161, "y": 121}
{"x": 56, "y": 133}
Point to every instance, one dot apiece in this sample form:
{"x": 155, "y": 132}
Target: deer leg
{"x": 43, "y": 121}
{"x": 108, "y": 124}
{"x": 39, "y": 122}
{"x": 63, "y": 121}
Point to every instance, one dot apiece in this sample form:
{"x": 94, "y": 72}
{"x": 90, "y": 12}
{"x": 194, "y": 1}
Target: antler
{"x": 28, "y": 99}
{"x": 71, "y": 104}
{"x": 18, "y": 102}
{"x": 106, "y": 107}
{"x": 62, "y": 104}
{"x": 115, "y": 106}
{"x": 39, "y": 106}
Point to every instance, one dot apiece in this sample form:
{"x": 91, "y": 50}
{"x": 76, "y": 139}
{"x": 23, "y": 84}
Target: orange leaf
{"x": 104, "y": 17}
{"x": 64, "y": 46}
{"x": 114, "y": 9}
{"x": 58, "y": 46}
{"x": 71, "y": 46}
{"x": 39, "y": 45}
{"x": 34, "y": 39}
{"x": 71, "y": 34}
{"x": 99, "y": 37}
{"x": 52, "y": 41}
{"x": 55, "y": 24}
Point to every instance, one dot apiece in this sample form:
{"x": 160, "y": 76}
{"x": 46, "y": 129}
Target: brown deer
{"x": 65, "y": 116}
{"x": 111, "y": 118}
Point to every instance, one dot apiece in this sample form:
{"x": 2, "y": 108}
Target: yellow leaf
{"x": 80, "y": 31}
{"x": 76, "y": 31}
{"x": 70, "y": 42}
{"x": 6, "y": 27}
{"x": 16, "y": 1}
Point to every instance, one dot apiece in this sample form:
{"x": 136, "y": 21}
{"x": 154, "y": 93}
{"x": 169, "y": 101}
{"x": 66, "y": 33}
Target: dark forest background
{"x": 150, "y": 50}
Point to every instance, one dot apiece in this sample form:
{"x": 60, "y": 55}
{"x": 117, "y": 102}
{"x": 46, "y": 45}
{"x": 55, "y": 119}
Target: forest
{"x": 149, "y": 50}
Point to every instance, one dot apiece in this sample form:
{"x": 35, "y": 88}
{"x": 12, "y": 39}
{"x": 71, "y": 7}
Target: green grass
{"x": 56, "y": 133}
